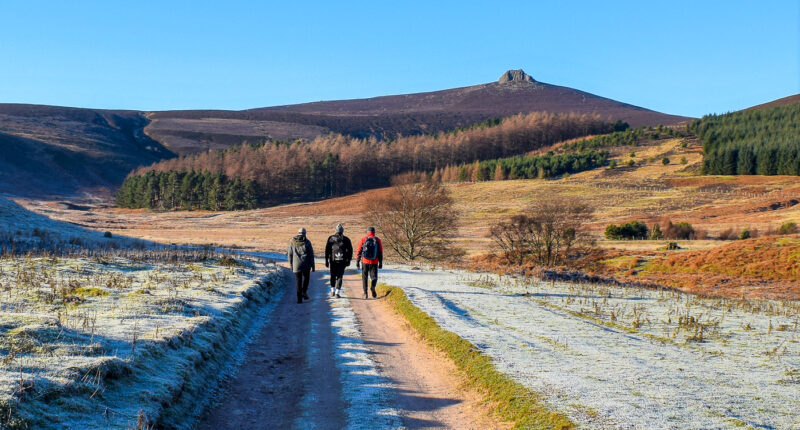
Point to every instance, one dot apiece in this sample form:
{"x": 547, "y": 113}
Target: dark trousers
{"x": 337, "y": 272}
{"x": 369, "y": 271}
{"x": 302, "y": 279}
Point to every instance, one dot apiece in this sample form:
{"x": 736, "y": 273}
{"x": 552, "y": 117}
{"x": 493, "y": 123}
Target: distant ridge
{"x": 51, "y": 150}
{"x": 790, "y": 100}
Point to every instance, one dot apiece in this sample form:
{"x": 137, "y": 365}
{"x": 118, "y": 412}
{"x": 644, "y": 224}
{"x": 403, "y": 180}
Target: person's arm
{"x": 380, "y": 254}
{"x": 311, "y": 253}
{"x": 348, "y": 252}
{"x": 360, "y": 247}
{"x": 328, "y": 252}
{"x": 289, "y": 255}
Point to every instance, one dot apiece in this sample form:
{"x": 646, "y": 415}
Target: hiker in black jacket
{"x": 338, "y": 254}
{"x": 301, "y": 261}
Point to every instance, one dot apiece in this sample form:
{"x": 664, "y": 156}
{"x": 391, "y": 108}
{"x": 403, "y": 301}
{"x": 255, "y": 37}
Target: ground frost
{"x": 626, "y": 358}
{"x": 366, "y": 391}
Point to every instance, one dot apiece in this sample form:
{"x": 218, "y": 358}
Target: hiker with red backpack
{"x": 370, "y": 256}
{"x": 301, "y": 261}
{"x": 338, "y": 254}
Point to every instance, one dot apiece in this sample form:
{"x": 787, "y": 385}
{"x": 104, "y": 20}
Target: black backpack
{"x": 370, "y": 248}
{"x": 338, "y": 249}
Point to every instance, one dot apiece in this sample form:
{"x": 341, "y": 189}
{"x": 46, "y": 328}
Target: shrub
{"x": 108, "y": 235}
{"x": 629, "y": 230}
{"x": 665, "y": 161}
{"x": 613, "y": 164}
{"x": 631, "y": 163}
{"x": 681, "y": 230}
{"x": 745, "y": 234}
{"x": 788, "y": 228}
{"x": 684, "y": 160}
{"x": 727, "y": 234}
{"x": 546, "y": 232}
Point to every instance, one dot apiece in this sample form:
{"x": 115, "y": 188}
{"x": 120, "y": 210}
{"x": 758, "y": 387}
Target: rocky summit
{"x": 518, "y": 75}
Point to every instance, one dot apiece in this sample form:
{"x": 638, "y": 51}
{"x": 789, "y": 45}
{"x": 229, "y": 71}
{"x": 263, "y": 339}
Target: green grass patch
{"x": 510, "y": 400}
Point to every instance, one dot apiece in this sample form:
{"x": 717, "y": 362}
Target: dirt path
{"x": 428, "y": 392}
{"x": 290, "y": 378}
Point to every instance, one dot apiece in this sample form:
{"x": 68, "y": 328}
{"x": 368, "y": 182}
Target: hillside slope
{"x": 387, "y": 116}
{"x": 783, "y": 101}
{"x": 49, "y": 150}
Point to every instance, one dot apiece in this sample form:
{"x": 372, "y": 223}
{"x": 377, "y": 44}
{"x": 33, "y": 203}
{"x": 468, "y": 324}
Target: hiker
{"x": 338, "y": 254}
{"x": 301, "y": 261}
{"x": 370, "y": 255}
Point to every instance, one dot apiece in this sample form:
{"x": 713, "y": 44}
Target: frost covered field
{"x": 625, "y": 357}
{"x": 123, "y": 338}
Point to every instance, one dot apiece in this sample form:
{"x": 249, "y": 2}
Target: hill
{"x": 779, "y": 102}
{"x": 754, "y": 141}
{"x": 50, "y": 150}
{"x": 387, "y": 116}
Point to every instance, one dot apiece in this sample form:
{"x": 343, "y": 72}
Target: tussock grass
{"x": 510, "y": 400}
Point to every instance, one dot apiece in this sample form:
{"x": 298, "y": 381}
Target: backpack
{"x": 369, "y": 250}
{"x": 301, "y": 248}
{"x": 338, "y": 249}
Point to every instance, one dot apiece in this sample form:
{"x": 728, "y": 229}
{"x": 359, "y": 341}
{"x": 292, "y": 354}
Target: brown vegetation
{"x": 334, "y": 164}
{"x": 417, "y": 220}
{"x": 545, "y": 232}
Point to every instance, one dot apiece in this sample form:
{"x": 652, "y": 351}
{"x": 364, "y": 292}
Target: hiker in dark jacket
{"x": 338, "y": 254}
{"x": 301, "y": 261}
{"x": 370, "y": 256}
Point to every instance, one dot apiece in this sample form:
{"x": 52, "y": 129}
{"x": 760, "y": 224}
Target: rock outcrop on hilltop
{"x": 518, "y": 75}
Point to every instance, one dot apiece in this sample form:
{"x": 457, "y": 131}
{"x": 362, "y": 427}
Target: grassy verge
{"x": 511, "y": 401}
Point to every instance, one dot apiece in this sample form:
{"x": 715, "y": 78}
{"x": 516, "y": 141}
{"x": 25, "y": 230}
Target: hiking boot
{"x": 374, "y": 293}
{"x": 332, "y": 293}
{"x": 338, "y": 296}
{"x": 305, "y": 296}
{"x": 365, "y": 295}
{"x": 299, "y": 300}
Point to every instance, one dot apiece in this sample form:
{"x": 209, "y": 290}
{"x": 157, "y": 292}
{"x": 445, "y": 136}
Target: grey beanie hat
{"x": 302, "y": 231}
{"x": 370, "y": 229}
{"x": 339, "y": 228}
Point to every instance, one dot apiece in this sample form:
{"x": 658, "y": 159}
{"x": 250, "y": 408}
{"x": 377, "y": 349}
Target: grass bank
{"x": 510, "y": 400}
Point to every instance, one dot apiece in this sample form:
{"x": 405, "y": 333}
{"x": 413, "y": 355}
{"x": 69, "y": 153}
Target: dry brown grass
{"x": 649, "y": 191}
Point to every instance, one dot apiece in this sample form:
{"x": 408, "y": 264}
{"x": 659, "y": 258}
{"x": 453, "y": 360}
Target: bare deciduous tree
{"x": 334, "y": 164}
{"x": 547, "y": 231}
{"x": 417, "y": 220}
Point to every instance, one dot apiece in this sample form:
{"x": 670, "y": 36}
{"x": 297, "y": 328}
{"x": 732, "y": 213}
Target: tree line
{"x": 638, "y": 230}
{"x": 623, "y": 136}
{"x": 751, "y": 142}
{"x": 191, "y": 190}
{"x": 333, "y": 164}
{"x": 523, "y": 167}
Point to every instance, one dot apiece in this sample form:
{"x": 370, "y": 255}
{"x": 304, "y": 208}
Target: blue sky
{"x": 687, "y": 58}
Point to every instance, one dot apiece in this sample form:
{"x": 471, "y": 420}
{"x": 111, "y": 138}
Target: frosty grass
{"x": 626, "y": 357}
